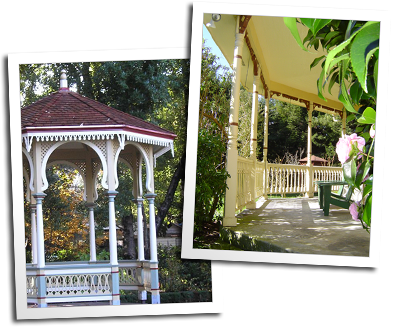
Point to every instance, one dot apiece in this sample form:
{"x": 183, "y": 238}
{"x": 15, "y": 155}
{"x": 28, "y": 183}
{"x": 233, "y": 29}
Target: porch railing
{"x": 280, "y": 179}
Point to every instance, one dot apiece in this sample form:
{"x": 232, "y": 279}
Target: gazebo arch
{"x": 66, "y": 127}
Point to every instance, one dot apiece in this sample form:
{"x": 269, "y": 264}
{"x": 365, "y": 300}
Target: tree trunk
{"x": 128, "y": 237}
{"x": 179, "y": 175}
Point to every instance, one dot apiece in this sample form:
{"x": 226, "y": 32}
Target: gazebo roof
{"x": 285, "y": 67}
{"x": 66, "y": 110}
{"x": 314, "y": 159}
{"x": 66, "y": 115}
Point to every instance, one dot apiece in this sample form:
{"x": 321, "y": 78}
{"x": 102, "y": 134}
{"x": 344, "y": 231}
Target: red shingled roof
{"x": 66, "y": 110}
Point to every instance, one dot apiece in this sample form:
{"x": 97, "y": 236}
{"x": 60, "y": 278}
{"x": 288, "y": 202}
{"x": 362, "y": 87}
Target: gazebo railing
{"x": 280, "y": 179}
{"x": 85, "y": 281}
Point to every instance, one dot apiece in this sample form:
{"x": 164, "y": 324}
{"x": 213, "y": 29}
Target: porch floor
{"x": 298, "y": 225}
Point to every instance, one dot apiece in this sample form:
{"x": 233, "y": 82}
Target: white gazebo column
{"x": 232, "y": 151}
{"x": 92, "y": 232}
{"x": 253, "y": 138}
{"x": 154, "y": 269}
{"x": 142, "y": 295}
{"x": 265, "y": 145}
{"x": 113, "y": 252}
{"x": 33, "y": 208}
{"x": 140, "y": 230}
{"x": 309, "y": 177}
{"x": 41, "y": 281}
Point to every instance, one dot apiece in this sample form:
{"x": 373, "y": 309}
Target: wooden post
{"x": 232, "y": 151}
{"x": 309, "y": 177}
{"x": 253, "y": 138}
{"x": 343, "y": 122}
{"x": 265, "y": 146}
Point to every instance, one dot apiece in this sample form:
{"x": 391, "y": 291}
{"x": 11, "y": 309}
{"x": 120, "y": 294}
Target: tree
{"x": 211, "y": 174}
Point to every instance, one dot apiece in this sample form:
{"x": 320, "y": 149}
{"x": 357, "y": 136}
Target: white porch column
{"x": 232, "y": 151}
{"x": 253, "y": 137}
{"x": 33, "y": 208}
{"x": 40, "y": 230}
{"x": 265, "y": 146}
{"x": 309, "y": 178}
{"x": 154, "y": 270}
{"x": 343, "y": 122}
{"x": 92, "y": 232}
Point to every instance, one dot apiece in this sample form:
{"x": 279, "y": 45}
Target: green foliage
{"x": 287, "y": 130}
{"x": 176, "y": 274}
{"x": 211, "y": 174}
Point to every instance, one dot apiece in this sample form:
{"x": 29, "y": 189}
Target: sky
{"x": 214, "y": 48}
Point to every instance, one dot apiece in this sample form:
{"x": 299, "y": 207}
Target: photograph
{"x": 286, "y": 134}
{"x": 103, "y": 156}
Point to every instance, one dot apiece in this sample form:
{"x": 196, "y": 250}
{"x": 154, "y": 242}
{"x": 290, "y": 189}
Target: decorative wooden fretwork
{"x": 129, "y": 276}
{"x": 78, "y": 285}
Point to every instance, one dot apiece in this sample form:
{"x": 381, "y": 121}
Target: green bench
{"x": 327, "y": 198}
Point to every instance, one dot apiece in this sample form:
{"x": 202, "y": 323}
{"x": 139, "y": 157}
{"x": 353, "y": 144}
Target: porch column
{"x": 113, "y": 248}
{"x": 253, "y": 138}
{"x": 309, "y": 177}
{"x": 33, "y": 208}
{"x": 92, "y": 232}
{"x": 154, "y": 270}
{"x": 343, "y": 122}
{"x": 265, "y": 146}
{"x": 232, "y": 151}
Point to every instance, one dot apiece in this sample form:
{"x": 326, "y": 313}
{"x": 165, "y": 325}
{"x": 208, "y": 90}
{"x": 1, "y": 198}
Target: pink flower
{"x": 344, "y": 146}
{"x": 353, "y": 209}
{"x": 372, "y": 131}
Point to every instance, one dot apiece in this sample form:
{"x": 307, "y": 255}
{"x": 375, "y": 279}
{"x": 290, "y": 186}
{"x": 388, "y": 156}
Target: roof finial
{"x": 63, "y": 80}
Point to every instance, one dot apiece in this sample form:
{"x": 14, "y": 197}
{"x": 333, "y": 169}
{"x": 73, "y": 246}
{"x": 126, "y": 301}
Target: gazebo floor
{"x": 298, "y": 225}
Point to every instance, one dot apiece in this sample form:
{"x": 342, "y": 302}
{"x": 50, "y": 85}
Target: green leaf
{"x": 316, "y": 61}
{"x": 342, "y": 46}
{"x": 308, "y": 22}
{"x": 375, "y": 69}
{"x": 367, "y": 210}
{"x": 356, "y": 92}
{"x": 291, "y": 23}
{"x": 329, "y": 36}
{"x": 333, "y": 53}
{"x": 332, "y": 81}
{"x": 339, "y": 59}
{"x": 320, "y": 86}
{"x": 350, "y": 171}
{"x": 362, "y": 173}
{"x": 368, "y": 116}
{"x": 318, "y": 24}
{"x": 363, "y": 47}
{"x": 367, "y": 189}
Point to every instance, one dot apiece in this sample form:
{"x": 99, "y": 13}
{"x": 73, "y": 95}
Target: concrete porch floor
{"x": 298, "y": 225}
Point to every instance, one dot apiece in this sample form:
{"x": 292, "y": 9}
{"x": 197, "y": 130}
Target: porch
{"x": 298, "y": 225}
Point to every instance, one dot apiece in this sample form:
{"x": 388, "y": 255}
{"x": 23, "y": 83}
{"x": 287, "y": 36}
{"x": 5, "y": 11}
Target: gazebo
{"x": 67, "y": 128}
{"x": 316, "y": 161}
{"x": 266, "y": 60}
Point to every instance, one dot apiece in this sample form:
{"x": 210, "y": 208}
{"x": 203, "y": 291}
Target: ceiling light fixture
{"x": 215, "y": 18}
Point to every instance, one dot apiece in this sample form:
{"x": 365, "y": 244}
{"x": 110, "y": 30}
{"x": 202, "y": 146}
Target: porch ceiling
{"x": 285, "y": 66}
